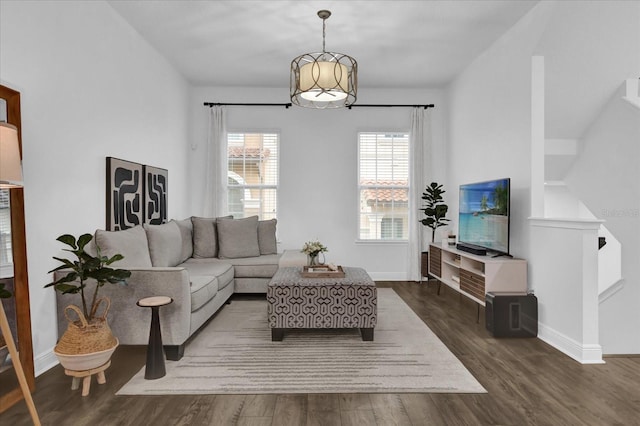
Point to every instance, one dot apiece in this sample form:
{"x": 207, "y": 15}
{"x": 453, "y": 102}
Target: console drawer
{"x": 472, "y": 283}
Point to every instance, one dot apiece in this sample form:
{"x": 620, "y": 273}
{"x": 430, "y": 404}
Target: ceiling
{"x": 398, "y": 44}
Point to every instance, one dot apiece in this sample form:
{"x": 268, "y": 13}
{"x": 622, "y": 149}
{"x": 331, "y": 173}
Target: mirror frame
{"x": 20, "y": 274}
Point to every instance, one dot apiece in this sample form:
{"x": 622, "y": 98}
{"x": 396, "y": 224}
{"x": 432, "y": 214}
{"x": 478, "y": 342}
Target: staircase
{"x": 560, "y": 202}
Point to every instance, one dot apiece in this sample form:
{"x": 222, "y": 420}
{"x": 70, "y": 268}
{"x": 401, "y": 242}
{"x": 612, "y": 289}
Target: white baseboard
{"x": 583, "y": 353}
{"x": 45, "y": 362}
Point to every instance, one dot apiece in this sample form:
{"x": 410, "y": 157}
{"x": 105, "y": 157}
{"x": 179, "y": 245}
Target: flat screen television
{"x": 483, "y": 219}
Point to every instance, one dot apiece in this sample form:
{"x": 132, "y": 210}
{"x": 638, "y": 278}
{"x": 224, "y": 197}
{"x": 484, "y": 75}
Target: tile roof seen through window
{"x": 386, "y": 191}
{"x": 242, "y": 152}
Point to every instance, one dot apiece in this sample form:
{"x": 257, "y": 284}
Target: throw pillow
{"x": 165, "y": 244}
{"x": 131, "y": 243}
{"x": 186, "y": 232}
{"x": 205, "y": 237}
{"x": 238, "y": 237}
{"x": 267, "y": 236}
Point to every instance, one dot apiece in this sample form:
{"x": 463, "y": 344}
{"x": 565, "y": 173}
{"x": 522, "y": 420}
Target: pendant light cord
{"x": 324, "y": 29}
{"x": 324, "y": 15}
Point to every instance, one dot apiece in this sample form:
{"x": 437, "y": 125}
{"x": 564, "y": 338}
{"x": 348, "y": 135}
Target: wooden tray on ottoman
{"x": 321, "y": 271}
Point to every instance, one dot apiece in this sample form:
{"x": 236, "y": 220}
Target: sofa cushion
{"x": 238, "y": 237}
{"x": 223, "y": 270}
{"x": 197, "y": 267}
{"x": 267, "y": 236}
{"x": 251, "y": 285}
{"x": 255, "y": 267}
{"x": 130, "y": 243}
{"x": 205, "y": 237}
{"x": 186, "y": 233}
{"x": 226, "y": 278}
{"x": 165, "y": 244}
{"x": 203, "y": 289}
{"x": 290, "y": 258}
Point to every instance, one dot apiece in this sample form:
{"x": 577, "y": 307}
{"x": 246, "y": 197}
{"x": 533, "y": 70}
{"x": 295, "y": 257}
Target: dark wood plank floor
{"x": 528, "y": 383}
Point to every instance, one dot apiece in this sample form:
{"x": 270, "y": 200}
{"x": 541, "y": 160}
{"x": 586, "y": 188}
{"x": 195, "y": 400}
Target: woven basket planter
{"x": 84, "y": 345}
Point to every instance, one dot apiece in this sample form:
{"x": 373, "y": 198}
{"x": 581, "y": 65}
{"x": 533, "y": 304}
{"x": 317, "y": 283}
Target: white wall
{"x": 490, "y": 122}
{"x": 587, "y": 46}
{"x": 318, "y": 195}
{"x": 607, "y": 180}
{"x": 590, "y": 48}
{"x": 90, "y": 88}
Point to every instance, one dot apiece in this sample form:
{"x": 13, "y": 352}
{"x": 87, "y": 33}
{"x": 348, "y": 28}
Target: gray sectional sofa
{"x": 198, "y": 262}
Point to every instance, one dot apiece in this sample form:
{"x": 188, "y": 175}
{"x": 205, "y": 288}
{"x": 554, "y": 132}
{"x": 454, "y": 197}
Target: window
{"x": 392, "y": 227}
{"x": 253, "y": 174}
{"x": 383, "y": 176}
{"x": 6, "y": 252}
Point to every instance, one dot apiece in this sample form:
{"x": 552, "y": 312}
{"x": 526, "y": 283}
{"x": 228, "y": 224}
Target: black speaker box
{"x": 509, "y": 315}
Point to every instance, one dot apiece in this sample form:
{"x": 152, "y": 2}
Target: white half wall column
{"x": 537, "y": 136}
{"x": 566, "y": 285}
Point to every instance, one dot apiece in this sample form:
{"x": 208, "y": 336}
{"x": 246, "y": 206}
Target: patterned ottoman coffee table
{"x": 298, "y": 302}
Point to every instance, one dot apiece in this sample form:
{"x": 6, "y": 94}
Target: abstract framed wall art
{"x": 125, "y": 193}
{"x": 155, "y": 195}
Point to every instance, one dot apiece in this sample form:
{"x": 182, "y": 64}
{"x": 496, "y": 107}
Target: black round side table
{"x": 155, "y": 352}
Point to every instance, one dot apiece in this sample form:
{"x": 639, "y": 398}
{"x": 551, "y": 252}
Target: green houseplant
{"x": 434, "y": 208}
{"x": 88, "y": 342}
{"x": 86, "y": 267}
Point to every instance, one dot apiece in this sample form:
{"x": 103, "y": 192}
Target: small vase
{"x": 313, "y": 260}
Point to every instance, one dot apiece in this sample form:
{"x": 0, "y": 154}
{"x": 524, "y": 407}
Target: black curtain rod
{"x": 390, "y": 106}
{"x": 210, "y": 104}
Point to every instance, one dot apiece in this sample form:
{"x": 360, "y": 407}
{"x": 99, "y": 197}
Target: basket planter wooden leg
{"x": 85, "y": 375}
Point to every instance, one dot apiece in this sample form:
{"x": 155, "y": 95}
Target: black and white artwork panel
{"x": 156, "y": 180}
{"x": 125, "y": 192}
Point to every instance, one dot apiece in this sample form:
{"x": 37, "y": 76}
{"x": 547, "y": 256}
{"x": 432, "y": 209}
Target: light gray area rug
{"x": 234, "y": 354}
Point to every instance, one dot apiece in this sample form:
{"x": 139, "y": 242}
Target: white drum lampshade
{"x": 10, "y": 163}
{"x": 324, "y": 81}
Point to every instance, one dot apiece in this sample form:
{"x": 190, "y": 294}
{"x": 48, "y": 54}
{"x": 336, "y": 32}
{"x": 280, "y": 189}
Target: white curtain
{"x": 215, "y": 195}
{"x": 420, "y": 147}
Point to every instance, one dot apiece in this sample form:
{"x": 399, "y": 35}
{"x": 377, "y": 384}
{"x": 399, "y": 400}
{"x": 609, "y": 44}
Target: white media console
{"x": 473, "y": 275}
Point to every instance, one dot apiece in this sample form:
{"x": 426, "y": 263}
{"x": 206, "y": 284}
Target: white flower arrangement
{"x": 314, "y": 248}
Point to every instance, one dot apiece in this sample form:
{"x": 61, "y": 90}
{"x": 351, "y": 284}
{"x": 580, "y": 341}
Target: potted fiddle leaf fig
{"x": 85, "y": 268}
{"x": 88, "y": 340}
{"x": 434, "y": 208}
